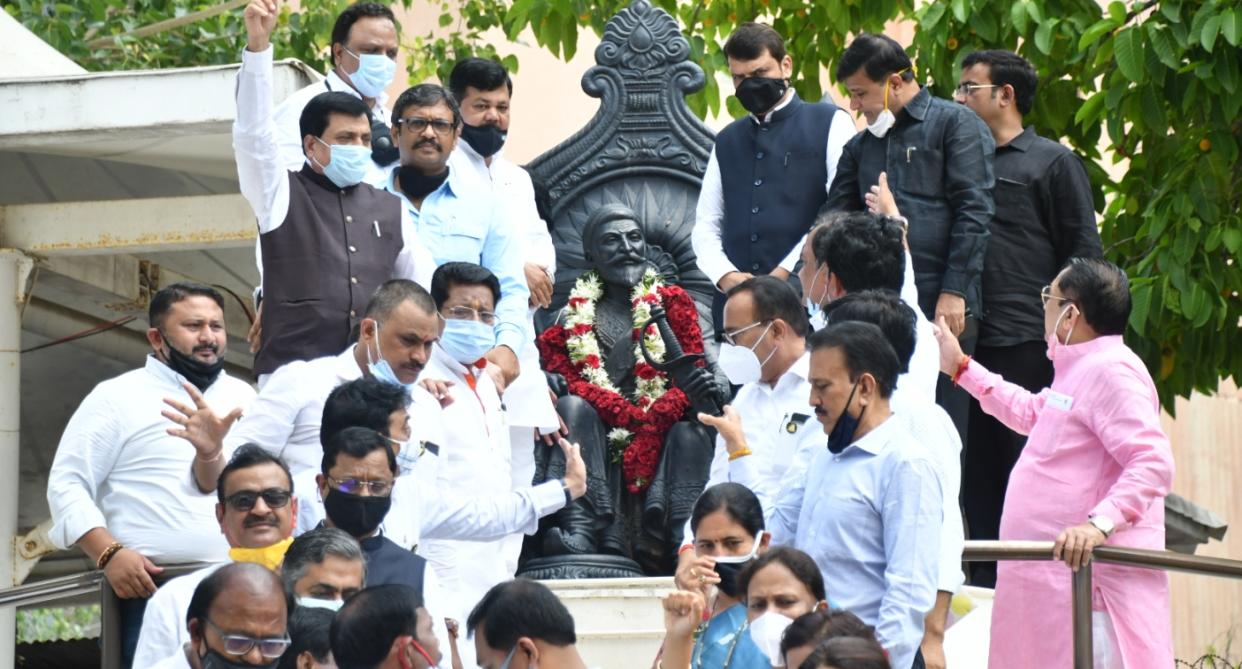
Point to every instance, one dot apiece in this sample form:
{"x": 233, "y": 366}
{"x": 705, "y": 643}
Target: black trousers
{"x": 991, "y": 449}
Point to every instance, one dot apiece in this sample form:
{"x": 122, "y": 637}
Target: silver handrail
{"x": 1080, "y": 606}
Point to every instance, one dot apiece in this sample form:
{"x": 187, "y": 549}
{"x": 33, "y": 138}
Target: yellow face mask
{"x": 268, "y": 556}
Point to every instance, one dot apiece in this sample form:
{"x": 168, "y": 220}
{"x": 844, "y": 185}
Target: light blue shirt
{"x": 458, "y": 224}
{"x": 871, "y": 518}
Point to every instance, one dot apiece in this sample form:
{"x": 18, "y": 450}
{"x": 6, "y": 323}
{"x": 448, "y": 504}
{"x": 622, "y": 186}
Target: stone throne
{"x": 646, "y": 150}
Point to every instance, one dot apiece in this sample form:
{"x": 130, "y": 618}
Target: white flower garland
{"x": 581, "y": 310}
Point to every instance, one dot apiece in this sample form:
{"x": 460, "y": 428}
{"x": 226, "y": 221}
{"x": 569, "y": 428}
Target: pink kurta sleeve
{"x": 1126, "y": 420}
{"x": 1009, "y": 403}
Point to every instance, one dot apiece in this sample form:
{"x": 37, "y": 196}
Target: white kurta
{"x": 474, "y": 456}
{"x": 117, "y": 467}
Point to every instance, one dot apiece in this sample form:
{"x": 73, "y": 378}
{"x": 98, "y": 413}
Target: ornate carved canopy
{"x": 644, "y": 148}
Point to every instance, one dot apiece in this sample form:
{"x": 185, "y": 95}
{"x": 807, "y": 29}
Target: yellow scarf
{"x": 268, "y": 556}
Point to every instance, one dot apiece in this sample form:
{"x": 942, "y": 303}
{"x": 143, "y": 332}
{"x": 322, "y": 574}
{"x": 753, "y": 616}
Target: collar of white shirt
{"x": 798, "y": 373}
{"x": 347, "y": 367}
{"x": 337, "y": 84}
{"x": 469, "y": 152}
{"x": 875, "y": 441}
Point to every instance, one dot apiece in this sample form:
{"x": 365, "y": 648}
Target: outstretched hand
{"x": 200, "y": 425}
{"x": 729, "y": 426}
{"x": 260, "y": 17}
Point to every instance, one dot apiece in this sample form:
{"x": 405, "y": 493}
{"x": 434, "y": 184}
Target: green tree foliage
{"x": 1156, "y": 84}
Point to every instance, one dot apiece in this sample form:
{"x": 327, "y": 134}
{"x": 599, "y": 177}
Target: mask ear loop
{"x": 887, "y": 83}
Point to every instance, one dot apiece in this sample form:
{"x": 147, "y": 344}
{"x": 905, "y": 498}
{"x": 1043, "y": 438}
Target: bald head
{"x": 241, "y": 599}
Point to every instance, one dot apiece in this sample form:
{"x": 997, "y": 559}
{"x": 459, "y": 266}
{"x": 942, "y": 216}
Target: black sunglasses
{"x": 274, "y": 498}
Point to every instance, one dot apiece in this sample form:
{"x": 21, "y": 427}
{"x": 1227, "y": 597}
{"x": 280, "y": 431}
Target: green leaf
{"x": 1231, "y": 26}
{"x": 960, "y": 11}
{"x": 1140, "y": 295}
{"x": 1037, "y": 15}
{"x": 1128, "y": 53}
{"x": 1044, "y": 37}
{"x": 445, "y": 20}
{"x": 1162, "y": 45}
{"x": 1117, "y": 12}
{"x": 1210, "y": 29}
{"x": 1089, "y": 112}
{"x": 1018, "y": 16}
{"x": 1095, "y": 32}
{"x": 1232, "y": 237}
{"x": 932, "y": 16}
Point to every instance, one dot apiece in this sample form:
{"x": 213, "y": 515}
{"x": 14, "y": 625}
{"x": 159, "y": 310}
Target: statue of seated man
{"x": 647, "y": 457}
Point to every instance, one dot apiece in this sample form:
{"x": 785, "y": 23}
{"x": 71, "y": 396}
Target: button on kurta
{"x": 754, "y": 210}
{"x": 353, "y": 249}
{"x": 349, "y": 219}
{"x": 353, "y": 279}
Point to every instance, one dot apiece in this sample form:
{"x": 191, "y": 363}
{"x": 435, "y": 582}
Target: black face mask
{"x": 417, "y": 185}
{"x": 383, "y": 150}
{"x": 760, "y": 94}
{"x": 842, "y": 434}
{"x": 197, "y": 372}
{"x": 214, "y": 660}
{"x": 728, "y": 571}
{"x": 356, "y": 514}
{"x": 486, "y": 140}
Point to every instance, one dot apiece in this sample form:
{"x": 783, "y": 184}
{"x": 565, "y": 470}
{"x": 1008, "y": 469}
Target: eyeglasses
{"x": 731, "y": 337}
{"x": 356, "y": 486}
{"x": 274, "y": 498}
{"x": 966, "y": 89}
{"x": 418, "y": 125}
{"x": 240, "y": 644}
{"x": 468, "y": 314}
{"x": 1046, "y": 294}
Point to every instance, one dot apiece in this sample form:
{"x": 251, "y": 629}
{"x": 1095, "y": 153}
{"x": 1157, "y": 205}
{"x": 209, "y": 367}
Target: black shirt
{"x": 1044, "y": 217}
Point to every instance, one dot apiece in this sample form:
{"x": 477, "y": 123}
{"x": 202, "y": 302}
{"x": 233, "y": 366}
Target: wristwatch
{"x": 1104, "y": 524}
{"x": 569, "y": 496}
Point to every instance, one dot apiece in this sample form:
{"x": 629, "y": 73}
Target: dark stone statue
{"x": 619, "y": 196}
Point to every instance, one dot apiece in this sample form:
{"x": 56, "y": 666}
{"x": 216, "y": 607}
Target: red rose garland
{"x": 639, "y": 424}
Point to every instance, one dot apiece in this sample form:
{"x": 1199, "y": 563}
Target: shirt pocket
{"x": 461, "y": 239}
{"x": 924, "y": 173}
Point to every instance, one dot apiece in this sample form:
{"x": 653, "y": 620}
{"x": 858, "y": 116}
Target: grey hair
{"x": 313, "y": 548}
{"x": 392, "y": 294}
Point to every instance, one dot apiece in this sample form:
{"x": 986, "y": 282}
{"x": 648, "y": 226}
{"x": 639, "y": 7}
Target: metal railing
{"x": 1080, "y": 581}
{"x": 81, "y": 585}
{"x": 76, "y": 585}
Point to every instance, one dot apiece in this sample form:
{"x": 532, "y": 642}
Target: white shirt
{"x": 871, "y": 519}
{"x": 778, "y": 422}
{"x": 475, "y": 456}
{"x": 263, "y": 170}
{"x": 709, "y": 213}
{"x": 936, "y": 432}
{"x": 288, "y": 114}
{"x": 284, "y": 419}
{"x": 117, "y": 467}
{"x": 526, "y": 398}
{"x": 175, "y": 661}
{"x": 164, "y": 632}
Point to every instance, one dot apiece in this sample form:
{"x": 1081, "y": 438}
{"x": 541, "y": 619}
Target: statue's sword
{"x": 677, "y": 363}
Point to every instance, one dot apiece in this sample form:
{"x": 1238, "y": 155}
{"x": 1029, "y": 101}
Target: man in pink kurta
{"x": 1095, "y": 469}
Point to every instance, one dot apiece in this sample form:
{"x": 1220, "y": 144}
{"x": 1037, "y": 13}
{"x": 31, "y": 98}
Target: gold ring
{"x": 702, "y": 579}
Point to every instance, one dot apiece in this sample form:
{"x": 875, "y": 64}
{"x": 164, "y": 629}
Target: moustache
{"x": 820, "y": 412}
{"x": 207, "y": 347}
{"x": 428, "y": 142}
{"x": 259, "y": 521}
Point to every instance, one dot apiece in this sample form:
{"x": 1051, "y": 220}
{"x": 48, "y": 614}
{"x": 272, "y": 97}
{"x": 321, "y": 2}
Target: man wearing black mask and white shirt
{"x": 322, "y": 216}
{"x": 769, "y": 172}
{"x": 120, "y": 486}
{"x": 364, "y": 62}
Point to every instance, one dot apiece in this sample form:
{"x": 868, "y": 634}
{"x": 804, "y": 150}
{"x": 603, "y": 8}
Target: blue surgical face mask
{"x": 467, "y": 341}
{"x": 375, "y": 71}
{"x": 842, "y": 434}
{"x": 379, "y": 368}
{"x": 348, "y": 164}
